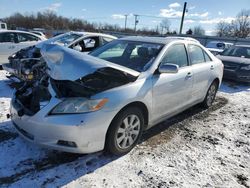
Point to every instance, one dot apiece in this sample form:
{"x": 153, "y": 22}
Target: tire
{"x": 128, "y": 124}
{"x": 210, "y": 96}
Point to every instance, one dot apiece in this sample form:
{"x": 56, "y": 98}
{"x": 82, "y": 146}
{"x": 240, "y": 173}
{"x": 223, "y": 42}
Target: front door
{"x": 172, "y": 91}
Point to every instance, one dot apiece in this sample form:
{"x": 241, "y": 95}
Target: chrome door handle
{"x": 212, "y": 67}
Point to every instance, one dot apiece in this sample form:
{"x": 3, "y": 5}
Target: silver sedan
{"x": 105, "y": 100}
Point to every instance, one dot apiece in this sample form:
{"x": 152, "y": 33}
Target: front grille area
{"x": 230, "y": 65}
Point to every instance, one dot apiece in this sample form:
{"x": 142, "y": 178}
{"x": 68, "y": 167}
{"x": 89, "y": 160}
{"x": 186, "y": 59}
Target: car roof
{"x": 17, "y": 31}
{"x": 243, "y": 45}
{"x": 159, "y": 40}
{"x": 216, "y": 41}
{"x": 93, "y": 34}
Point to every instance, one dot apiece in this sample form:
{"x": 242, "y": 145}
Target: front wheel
{"x": 125, "y": 131}
{"x": 210, "y": 96}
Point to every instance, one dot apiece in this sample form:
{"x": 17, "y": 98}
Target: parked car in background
{"x": 236, "y": 62}
{"x": 38, "y": 33}
{"x": 217, "y": 47}
{"x": 106, "y": 99}
{"x": 12, "y": 41}
{"x": 3, "y": 26}
{"x": 27, "y": 65}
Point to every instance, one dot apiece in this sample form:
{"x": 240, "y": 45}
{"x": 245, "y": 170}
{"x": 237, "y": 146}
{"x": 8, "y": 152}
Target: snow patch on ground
{"x": 198, "y": 148}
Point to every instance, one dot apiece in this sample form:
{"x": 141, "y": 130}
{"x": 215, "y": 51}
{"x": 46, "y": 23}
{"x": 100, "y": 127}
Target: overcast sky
{"x": 200, "y": 12}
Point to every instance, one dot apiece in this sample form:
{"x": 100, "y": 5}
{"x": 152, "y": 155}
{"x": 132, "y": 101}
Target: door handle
{"x": 212, "y": 67}
{"x": 11, "y": 47}
{"x": 189, "y": 74}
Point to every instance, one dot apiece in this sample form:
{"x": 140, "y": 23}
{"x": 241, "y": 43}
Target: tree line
{"x": 49, "y": 20}
{"x": 239, "y": 27}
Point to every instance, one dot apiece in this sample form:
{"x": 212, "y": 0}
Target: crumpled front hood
{"x": 68, "y": 64}
{"x": 240, "y": 60}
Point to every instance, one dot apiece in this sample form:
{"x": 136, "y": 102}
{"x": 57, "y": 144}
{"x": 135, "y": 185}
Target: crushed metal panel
{"x": 68, "y": 64}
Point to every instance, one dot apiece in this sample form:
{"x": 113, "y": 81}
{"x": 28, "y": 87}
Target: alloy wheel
{"x": 128, "y": 131}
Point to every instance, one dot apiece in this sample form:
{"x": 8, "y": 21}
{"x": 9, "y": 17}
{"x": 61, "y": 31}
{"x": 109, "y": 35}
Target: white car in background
{"x": 12, "y": 41}
{"x": 26, "y": 63}
{"x": 216, "y": 47}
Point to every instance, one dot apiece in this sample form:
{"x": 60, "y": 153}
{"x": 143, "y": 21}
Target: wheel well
{"x": 141, "y": 106}
{"x": 137, "y": 104}
{"x": 217, "y": 81}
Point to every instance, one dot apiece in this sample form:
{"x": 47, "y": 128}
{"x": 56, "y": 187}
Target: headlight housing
{"x": 78, "y": 105}
{"x": 245, "y": 67}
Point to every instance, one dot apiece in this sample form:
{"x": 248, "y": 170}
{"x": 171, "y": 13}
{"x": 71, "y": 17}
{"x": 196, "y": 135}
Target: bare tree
{"x": 198, "y": 30}
{"x": 165, "y": 26}
{"x": 242, "y": 24}
{"x": 240, "y": 27}
{"x": 223, "y": 29}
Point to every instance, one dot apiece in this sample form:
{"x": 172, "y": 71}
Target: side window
{"x": 7, "y": 37}
{"x": 106, "y": 40}
{"x": 196, "y": 54}
{"x": 176, "y": 54}
{"x": 24, "y": 37}
{"x": 207, "y": 58}
{"x": 87, "y": 44}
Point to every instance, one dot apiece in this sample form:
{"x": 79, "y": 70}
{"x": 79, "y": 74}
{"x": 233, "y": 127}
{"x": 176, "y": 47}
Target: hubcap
{"x": 128, "y": 131}
{"x": 211, "y": 94}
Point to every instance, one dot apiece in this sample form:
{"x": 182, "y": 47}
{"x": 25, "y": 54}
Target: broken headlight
{"x": 78, "y": 105}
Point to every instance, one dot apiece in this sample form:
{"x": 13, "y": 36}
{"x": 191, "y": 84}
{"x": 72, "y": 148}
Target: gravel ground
{"x": 198, "y": 148}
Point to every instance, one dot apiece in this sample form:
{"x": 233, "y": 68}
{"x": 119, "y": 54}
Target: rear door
{"x": 202, "y": 66}
{"x": 8, "y": 42}
{"x": 172, "y": 91}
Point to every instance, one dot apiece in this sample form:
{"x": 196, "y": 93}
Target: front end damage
{"x": 70, "y": 74}
{"x": 26, "y": 64}
{"x": 33, "y": 105}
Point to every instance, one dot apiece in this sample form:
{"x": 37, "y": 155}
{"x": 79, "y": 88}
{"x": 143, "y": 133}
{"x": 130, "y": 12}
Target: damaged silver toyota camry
{"x": 106, "y": 99}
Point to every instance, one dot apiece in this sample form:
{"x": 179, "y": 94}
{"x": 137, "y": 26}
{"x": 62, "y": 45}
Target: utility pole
{"x": 126, "y": 17}
{"x": 136, "y": 20}
{"x": 182, "y": 18}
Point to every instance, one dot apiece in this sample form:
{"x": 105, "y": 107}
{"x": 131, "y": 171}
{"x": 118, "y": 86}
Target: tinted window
{"x": 196, "y": 54}
{"x": 176, "y": 54}
{"x": 7, "y": 37}
{"x": 237, "y": 51}
{"x": 24, "y": 37}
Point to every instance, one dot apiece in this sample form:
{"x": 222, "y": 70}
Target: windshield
{"x": 67, "y": 38}
{"x": 237, "y": 51}
{"x": 136, "y": 55}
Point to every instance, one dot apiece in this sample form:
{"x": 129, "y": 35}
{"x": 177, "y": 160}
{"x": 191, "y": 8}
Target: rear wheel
{"x": 211, "y": 93}
{"x": 125, "y": 131}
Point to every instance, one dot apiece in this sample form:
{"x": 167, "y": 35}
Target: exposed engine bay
{"x": 33, "y": 95}
{"x": 27, "y": 64}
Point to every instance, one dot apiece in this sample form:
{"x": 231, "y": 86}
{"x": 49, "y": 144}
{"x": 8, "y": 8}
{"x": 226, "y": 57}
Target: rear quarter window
{"x": 197, "y": 54}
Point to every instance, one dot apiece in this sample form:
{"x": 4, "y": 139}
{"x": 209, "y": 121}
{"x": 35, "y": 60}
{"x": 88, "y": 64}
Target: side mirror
{"x": 168, "y": 68}
{"x": 77, "y": 48}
